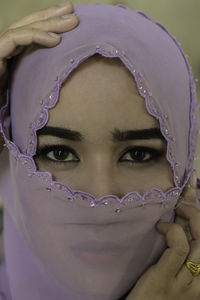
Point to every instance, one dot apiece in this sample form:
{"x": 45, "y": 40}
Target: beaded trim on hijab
{"x": 135, "y": 199}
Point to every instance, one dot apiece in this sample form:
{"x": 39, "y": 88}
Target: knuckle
{"x": 183, "y": 250}
{"x": 8, "y": 33}
{"x": 11, "y": 33}
{"x": 8, "y": 36}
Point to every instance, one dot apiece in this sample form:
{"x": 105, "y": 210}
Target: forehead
{"x": 101, "y": 92}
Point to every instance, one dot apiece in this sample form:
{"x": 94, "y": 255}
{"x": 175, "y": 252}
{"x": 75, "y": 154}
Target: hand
{"x": 169, "y": 278}
{"x": 34, "y": 28}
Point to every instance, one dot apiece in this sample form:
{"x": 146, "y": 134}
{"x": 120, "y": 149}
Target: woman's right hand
{"x": 41, "y": 28}
{"x": 170, "y": 278}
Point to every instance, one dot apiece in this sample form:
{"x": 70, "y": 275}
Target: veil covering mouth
{"x": 45, "y": 221}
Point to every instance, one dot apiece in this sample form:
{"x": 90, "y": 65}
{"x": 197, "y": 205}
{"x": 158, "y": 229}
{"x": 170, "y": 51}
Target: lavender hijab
{"x": 45, "y": 221}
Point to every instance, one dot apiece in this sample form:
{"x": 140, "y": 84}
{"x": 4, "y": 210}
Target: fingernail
{"x": 70, "y": 16}
{"x": 194, "y": 179}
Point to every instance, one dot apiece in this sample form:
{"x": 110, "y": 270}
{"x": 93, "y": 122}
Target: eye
{"x": 57, "y": 154}
{"x": 141, "y": 154}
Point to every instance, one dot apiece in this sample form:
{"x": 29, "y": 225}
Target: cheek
{"x": 159, "y": 177}
{"x": 143, "y": 178}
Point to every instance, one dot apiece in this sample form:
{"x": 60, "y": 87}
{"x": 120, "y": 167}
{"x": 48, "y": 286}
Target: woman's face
{"x": 109, "y": 153}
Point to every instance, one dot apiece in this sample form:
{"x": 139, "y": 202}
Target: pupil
{"x": 59, "y": 156}
{"x": 138, "y": 155}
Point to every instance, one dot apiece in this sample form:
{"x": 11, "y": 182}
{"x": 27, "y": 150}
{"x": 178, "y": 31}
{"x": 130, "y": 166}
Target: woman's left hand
{"x": 170, "y": 278}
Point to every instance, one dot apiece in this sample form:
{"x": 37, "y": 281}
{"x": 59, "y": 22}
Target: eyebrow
{"x": 117, "y": 135}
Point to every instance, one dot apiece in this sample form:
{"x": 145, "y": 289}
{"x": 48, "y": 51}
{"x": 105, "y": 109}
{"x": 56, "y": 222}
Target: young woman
{"x": 101, "y": 129}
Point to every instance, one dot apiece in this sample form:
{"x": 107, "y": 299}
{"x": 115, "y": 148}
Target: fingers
{"x": 188, "y": 211}
{"x": 173, "y": 258}
{"x": 189, "y": 196}
{"x": 192, "y": 214}
{"x": 185, "y": 275}
{"x": 24, "y": 36}
{"x": 39, "y": 28}
{"x": 190, "y": 189}
{"x": 56, "y": 24}
{"x": 180, "y": 248}
{"x": 56, "y": 10}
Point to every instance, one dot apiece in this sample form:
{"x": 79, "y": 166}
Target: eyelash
{"x": 43, "y": 151}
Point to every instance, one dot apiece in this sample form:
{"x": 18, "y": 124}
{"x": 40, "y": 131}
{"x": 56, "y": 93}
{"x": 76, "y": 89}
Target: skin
{"x": 112, "y": 89}
{"x": 169, "y": 278}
